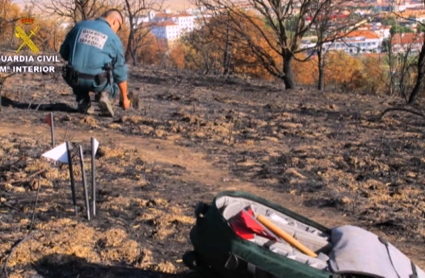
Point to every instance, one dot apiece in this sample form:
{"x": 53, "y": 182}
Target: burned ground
{"x": 322, "y": 154}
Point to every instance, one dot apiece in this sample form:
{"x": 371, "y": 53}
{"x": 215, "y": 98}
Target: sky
{"x": 20, "y": 2}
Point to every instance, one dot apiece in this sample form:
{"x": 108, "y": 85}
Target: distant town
{"x": 368, "y": 36}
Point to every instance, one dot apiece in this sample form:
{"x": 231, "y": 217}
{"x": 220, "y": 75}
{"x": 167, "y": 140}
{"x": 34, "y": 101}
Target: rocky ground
{"x": 326, "y": 155}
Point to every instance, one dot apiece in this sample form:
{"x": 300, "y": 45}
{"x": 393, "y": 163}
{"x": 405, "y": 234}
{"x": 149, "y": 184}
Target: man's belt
{"x": 92, "y": 77}
{"x": 73, "y": 76}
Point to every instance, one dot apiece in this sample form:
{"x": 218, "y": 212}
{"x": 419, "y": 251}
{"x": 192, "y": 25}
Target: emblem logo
{"x": 20, "y": 33}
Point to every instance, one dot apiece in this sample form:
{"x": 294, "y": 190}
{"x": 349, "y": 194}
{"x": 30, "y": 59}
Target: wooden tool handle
{"x": 290, "y": 239}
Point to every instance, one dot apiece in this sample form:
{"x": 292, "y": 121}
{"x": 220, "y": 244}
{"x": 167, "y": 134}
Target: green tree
{"x": 397, "y": 29}
{"x": 389, "y": 21}
{"x": 420, "y": 28}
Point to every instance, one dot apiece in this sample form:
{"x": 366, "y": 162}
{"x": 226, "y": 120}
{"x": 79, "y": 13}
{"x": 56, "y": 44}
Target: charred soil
{"x": 325, "y": 155}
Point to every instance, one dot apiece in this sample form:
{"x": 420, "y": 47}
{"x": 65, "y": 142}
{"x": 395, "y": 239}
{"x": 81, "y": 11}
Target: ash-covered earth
{"x": 326, "y": 155}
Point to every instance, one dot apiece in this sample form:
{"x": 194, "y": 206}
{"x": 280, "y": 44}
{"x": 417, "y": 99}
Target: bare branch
{"x": 138, "y": 32}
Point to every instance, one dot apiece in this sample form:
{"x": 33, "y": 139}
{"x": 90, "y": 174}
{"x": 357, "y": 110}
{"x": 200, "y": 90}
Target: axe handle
{"x": 290, "y": 239}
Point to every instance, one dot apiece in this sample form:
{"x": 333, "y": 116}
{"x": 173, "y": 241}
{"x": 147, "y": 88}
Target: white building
{"x": 167, "y": 30}
{"x": 377, "y": 28}
{"x": 357, "y": 42}
{"x": 171, "y": 26}
{"x": 139, "y": 19}
{"x": 410, "y": 5}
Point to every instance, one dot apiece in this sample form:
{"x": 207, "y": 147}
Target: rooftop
{"x": 166, "y": 15}
{"x": 407, "y": 38}
{"x": 412, "y": 13}
{"x": 163, "y": 24}
{"x": 363, "y": 33}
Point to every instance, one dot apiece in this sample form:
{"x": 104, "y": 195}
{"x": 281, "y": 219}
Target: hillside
{"x": 322, "y": 154}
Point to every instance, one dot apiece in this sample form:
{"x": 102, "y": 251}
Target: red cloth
{"x": 241, "y": 231}
{"x": 246, "y": 226}
{"x": 48, "y": 120}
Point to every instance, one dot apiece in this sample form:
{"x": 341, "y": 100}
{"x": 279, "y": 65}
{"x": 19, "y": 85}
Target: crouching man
{"x": 96, "y": 62}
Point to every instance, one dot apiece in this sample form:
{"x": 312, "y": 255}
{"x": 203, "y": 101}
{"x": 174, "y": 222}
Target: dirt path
{"x": 153, "y": 151}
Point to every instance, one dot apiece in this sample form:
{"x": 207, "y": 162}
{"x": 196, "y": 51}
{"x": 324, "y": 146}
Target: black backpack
{"x": 220, "y": 252}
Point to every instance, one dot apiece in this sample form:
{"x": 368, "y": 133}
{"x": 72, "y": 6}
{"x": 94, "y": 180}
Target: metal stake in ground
{"x": 93, "y": 175}
{"x": 83, "y": 171}
{"x": 52, "y": 131}
{"x": 71, "y": 174}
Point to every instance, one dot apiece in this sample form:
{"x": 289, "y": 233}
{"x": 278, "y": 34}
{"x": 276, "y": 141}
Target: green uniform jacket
{"x": 91, "y": 44}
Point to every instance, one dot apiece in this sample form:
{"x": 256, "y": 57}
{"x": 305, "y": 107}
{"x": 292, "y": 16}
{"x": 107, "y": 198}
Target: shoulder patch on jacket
{"x": 93, "y": 38}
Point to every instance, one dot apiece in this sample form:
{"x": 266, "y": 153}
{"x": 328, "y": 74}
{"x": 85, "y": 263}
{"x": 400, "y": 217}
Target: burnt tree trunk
{"x": 288, "y": 78}
{"x": 129, "y": 50}
{"x": 391, "y": 66}
{"x": 207, "y": 67}
{"x": 420, "y": 77}
{"x": 321, "y": 61}
{"x": 226, "y": 58}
